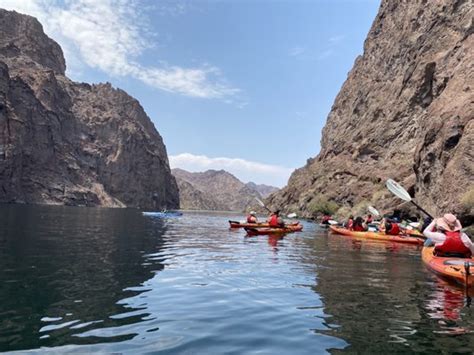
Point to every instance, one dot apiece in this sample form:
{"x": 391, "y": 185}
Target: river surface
{"x": 82, "y": 280}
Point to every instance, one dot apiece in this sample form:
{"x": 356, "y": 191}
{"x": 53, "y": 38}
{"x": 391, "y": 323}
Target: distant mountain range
{"x": 217, "y": 190}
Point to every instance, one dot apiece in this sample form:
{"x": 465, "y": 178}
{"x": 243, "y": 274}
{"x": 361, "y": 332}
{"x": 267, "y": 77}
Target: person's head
{"x": 277, "y": 212}
{"x": 252, "y": 213}
{"x": 449, "y": 223}
{"x": 358, "y": 221}
{"x": 351, "y": 217}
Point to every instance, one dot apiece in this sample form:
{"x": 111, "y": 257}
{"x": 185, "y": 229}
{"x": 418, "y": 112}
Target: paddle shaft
{"x": 421, "y": 209}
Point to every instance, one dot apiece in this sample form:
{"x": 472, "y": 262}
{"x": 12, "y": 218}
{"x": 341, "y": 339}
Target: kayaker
{"x": 350, "y": 222}
{"x": 252, "y": 217}
{"x": 275, "y": 221}
{"x": 326, "y": 218}
{"x": 390, "y": 227}
{"x": 445, "y": 233}
{"x": 369, "y": 219}
{"x": 359, "y": 225}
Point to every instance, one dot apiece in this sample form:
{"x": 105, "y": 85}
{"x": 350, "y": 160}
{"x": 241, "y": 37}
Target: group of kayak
{"x": 447, "y": 251}
{"x": 273, "y": 225}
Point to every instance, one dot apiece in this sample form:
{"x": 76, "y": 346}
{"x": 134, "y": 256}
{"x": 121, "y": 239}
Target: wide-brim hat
{"x": 253, "y": 213}
{"x": 449, "y": 222}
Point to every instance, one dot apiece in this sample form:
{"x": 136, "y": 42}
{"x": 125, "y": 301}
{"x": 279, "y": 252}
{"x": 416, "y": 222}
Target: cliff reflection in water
{"x": 380, "y": 298}
{"x": 64, "y": 269}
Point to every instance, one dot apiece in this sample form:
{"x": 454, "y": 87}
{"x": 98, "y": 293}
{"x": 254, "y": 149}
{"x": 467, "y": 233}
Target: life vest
{"x": 273, "y": 222}
{"x": 251, "y": 219}
{"x": 453, "y": 244}
{"x": 369, "y": 219}
{"x": 394, "y": 229}
{"x": 358, "y": 228}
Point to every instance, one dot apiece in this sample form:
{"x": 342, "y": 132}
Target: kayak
{"x": 413, "y": 232}
{"x": 378, "y": 236}
{"x": 284, "y": 230}
{"x": 163, "y": 214}
{"x": 236, "y": 224}
{"x": 449, "y": 268}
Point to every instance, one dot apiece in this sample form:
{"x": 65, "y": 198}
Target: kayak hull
{"x": 378, "y": 236}
{"x": 235, "y": 224}
{"x": 449, "y": 268}
{"x": 265, "y": 231}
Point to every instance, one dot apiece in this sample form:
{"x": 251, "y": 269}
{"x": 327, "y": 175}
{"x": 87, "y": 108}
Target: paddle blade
{"x": 397, "y": 189}
{"x": 374, "y": 211}
{"x": 260, "y": 202}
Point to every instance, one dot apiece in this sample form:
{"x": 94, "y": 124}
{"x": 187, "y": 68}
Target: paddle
{"x": 374, "y": 211}
{"x": 396, "y": 189}
{"x": 260, "y": 202}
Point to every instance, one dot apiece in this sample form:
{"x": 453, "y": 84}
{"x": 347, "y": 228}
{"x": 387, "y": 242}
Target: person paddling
{"x": 252, "y": 217}
{"x": 445, "y": 233}
{"x": 359, "y": 225}
{"x": 275, "y": 221}
{"x": 350, "y": 222}
{"x": 390, "y": 227}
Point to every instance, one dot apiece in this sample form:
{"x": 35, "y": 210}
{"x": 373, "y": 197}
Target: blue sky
{"x": 247, "y": 82}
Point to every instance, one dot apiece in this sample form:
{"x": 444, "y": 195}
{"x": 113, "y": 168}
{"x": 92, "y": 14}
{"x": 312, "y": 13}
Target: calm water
{"x": 83, "y": 280}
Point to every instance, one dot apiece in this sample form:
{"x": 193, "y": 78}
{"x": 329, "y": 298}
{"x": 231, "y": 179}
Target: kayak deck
{"x": 450, "y": 268}
{"x": 378, "y": 236}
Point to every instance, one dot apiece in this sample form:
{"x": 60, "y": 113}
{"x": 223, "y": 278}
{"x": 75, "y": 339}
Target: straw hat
{"x": 449, "y": 222}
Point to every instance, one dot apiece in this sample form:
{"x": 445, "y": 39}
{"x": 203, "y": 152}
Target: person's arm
{"x": 434, "y": 236}
{"x": 467, "y": 242}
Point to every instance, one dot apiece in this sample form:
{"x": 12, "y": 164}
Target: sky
{"x": 239, "y": 85}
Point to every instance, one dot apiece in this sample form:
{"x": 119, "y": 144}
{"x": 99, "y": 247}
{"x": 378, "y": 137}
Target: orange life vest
{"x": 453, "y": 244}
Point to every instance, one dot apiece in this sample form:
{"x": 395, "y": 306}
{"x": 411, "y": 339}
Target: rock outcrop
{"x": 406, "y": 111}
{"x": 63, "y": 142}
{"x": 216, "y": 190}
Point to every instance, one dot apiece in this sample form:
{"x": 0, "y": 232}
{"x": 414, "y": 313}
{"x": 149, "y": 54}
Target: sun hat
{"x": 252, "y": 213}
{"x": 449, "y": 222}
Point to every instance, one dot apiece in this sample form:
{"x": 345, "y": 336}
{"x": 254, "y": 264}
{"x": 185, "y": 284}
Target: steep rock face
{"x": 405, "y": 112}
{"x": 63, "y": 142}
{"x": 214, "y": 190}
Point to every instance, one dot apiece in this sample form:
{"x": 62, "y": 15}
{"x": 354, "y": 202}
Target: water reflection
{"x": 385, "y": 301}
{"x": 66, "y": 269}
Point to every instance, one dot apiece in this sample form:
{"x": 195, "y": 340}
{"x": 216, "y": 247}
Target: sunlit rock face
{"x": 217, "y": 190}
{"x": 63, "y": 142}
{"x": 405, "y": 112}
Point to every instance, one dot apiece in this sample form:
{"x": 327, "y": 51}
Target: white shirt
{"x": 438, "y": 238}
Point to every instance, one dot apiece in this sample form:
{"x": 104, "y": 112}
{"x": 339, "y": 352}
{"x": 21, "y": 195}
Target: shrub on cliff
{"x": 467, "y": 200}
{"x": 321, "y": 205}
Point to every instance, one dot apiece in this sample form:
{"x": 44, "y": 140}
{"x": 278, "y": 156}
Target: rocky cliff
{"x": 216, "y": 190}
{"x": 63, "y": 142}
{"x": 405, "y": 112}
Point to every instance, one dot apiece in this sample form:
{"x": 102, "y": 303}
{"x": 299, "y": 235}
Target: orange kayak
{"x": 378, "y": 236}
{"x": 450, "y": 268}
{"x": 262, "y": 231}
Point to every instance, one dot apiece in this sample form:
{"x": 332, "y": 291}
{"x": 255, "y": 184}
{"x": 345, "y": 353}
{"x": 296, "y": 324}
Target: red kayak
{"x": 378, "y": 236}
{"x": 236, "y": 224}
{"x": 263, "y": 231}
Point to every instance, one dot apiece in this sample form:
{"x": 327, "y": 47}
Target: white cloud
{"x": 243, "y": 169}
{"x": 110, "y": 35}
{"x": 296, "y": 51}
